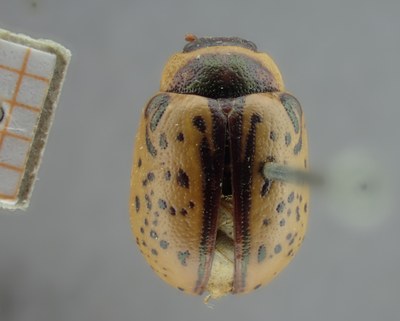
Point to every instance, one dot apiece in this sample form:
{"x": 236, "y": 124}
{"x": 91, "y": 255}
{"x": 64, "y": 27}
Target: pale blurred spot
{"x": 360, "y": 189}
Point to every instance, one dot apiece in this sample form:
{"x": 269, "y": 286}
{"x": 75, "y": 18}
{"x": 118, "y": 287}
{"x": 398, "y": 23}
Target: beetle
{"x": 207, "y": 210}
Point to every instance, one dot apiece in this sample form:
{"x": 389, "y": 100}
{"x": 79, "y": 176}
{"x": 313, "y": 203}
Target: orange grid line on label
{"x": 21, "y": 137}
{"x": 12, "y": 167}
{"x": 18, "y": 104}
{"x": 25, "y": 73}
{"x": 7, "y": 197}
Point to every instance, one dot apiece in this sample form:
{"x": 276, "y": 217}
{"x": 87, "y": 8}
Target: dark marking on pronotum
{"x": 162, "y": 204}
{"x": 262, "y": 253}
{"x": 137, "y": 204}
{"x": 182, "y": 178}
{"x": 163, "y": 141}
{"x": 199, "y": 123}
{"x": 150, "y": 147}
{"x": 183, "y": 256}
{"x": 223, "y": 76}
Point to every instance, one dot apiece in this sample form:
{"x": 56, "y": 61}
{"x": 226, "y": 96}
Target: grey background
{"x": 71, "y": 255}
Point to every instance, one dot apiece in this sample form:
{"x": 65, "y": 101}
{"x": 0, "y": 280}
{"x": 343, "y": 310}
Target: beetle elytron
{"x": 205, "y": 215}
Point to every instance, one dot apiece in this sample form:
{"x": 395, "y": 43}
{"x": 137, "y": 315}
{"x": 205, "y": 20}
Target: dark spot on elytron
{"x": 181, "y": 289}
{"x": 270, "y": 159}
{"x": 167, "y": 175}
{"x": 164, "y": 244}
{"x": 301, "y": 198}
{"x": 182, "y": 256}
{"x": 153, "y": 234}
{"x": 182, "y": 179}
{"x": 199, "y": 123}
{"x": 289, "y": 236}
{"x": 163, "y": 141}
{"x": 290, "y": 252}
{"x": 223, "y": 76}
{"x": 282, "y": 222}
{"x": 139, "y": 162}
{"x": 293, "y": 109}
{"x": 159, "y": 101}
{"x": 137, "y": 204}
{"x": 137, "y": 241}
{"x": 146, "y": 222}
{"x": 267, "y": 221}
{"x": 144, "y": 244}
{"x": 257, "y": 286}
{"x": 219, "y": 41}
{"x": 184, "y": 211}
{"x": 150, "y": 176}
{"x": 191, "y": 204}
{"x": 289, "y": 212}
{"x": 280, "y": 207}
{"x": 144, "y": 183}
{"x": 155, "y": 222}
{"x": 148, "y": 202}
{"x": 156, "y": 214}
{"x": 180, "y": 137}
{"x": 290, "y": 197}
{"x": 297, "y": 214}
{"x": 151, "y": 192}
{"x": 142, "y": 230}
{"x": 278, "y": 249}
{"x": 305, "y": 207}
{"x": 262, "y": 253}
{"x": 297, "y": 147}
{"x": 291, "y": 241}
{"x": 162, "y": 204}
{"x": 172, "y": 211}
{"x": 150, "y": 147}
{"x": 305, "y": 163}
{"x": 288, "y": 139}
{"x": 154, "y": 252}
{"x": 266, "y": 187}
{"x": 273, "y": 136}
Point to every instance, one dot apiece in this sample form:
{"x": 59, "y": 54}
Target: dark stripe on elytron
{"x": 159, "y": 112}
{"x": 158, "y": 101}
{"x": 223, "y": 76}
{"x": 243, "y": 164}
{"x": 212, "y": 168}
{"x": 295, "y": 113}
{"x": 150, "y": 147}
{"x": 219, "y": 41}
